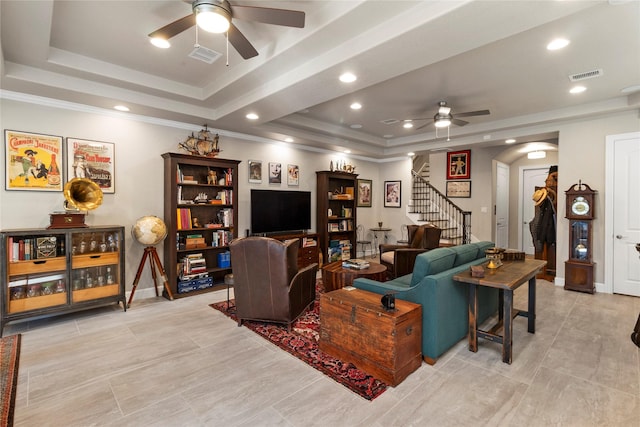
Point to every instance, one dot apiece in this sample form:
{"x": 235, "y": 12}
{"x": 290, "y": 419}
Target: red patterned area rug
{"x": 9, "y": 358}
{"x": 302, "y": 342}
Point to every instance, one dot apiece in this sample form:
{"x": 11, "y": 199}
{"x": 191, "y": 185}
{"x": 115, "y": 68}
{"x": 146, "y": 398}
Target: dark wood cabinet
{"x": 579, "y": 268}
{"x": 50, "y": 272}
{"x": 336, "y": 214}
{"x": 200, "y": 210}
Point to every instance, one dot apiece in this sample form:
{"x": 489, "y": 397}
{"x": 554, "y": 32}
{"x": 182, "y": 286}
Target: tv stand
{"x": 308, "y": 246}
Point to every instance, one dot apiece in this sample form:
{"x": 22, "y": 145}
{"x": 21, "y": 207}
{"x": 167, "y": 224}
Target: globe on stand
{"x": 149, "y": 231}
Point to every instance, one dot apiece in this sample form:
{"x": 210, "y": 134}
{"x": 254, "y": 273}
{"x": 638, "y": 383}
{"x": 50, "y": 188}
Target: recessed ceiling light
{"x": 411, "y": 154}
{"x": 407, "y": 125}
{"x": 288, "y": 140}
{"x": 252, "y": 116}
{"x": 356, "y": 106}
{"x": 121, "y": 108}
{"x": 536, "y": 155}
{"x": 355, "y": 126}
{"x": 558, "y": 44}
{"x": 631, "y": 89}
{"x": 510, "y": 141}
{"x": 161, "y": 43}
{"x": 577, "y": 89}
{"x": 348, "y": 78}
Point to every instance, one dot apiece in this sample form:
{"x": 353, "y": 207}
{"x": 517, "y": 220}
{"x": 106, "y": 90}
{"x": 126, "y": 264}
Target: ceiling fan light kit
{"x": 213, "y": 17}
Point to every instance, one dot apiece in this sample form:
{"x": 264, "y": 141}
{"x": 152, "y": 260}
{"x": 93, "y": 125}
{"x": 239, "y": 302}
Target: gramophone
{"x": 81, "y": 195}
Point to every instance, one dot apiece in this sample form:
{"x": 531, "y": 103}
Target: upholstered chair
{"x": 267, "y": 283}
{"x": 399, "y": 259}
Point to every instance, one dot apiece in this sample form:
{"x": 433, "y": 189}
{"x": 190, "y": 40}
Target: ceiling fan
{"x": 216, "y": 16}
{"x": 444, "y": 118}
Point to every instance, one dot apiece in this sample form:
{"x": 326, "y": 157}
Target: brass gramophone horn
{"x": 82, "y": 194}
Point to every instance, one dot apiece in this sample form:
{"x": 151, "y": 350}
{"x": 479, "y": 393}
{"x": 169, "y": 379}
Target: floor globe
{"x": 149, "y": 230}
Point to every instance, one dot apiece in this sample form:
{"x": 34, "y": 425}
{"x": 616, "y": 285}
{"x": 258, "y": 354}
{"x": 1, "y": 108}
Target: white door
{"x": 626, "y": 215}
{"x": 502, "y": 205}
{"x": 531, "y": 178}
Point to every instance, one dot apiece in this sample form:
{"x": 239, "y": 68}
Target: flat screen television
{"x": 274, "y": 211}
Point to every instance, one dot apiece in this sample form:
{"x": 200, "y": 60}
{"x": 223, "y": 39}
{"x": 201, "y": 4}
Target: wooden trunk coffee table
{"x": 335, "y": 276}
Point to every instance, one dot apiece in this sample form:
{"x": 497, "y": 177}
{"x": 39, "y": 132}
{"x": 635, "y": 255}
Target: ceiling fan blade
{"x": 426, "y": 124}
{"x": 266, "y": 15}
{"x": 473, "y": 113}
{"x": 175, "y": 28}
{"x": 240, "y": 43}
{"x": 459, "y": 122}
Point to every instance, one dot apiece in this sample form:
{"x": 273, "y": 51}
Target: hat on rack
{"x": 539, "y": 196}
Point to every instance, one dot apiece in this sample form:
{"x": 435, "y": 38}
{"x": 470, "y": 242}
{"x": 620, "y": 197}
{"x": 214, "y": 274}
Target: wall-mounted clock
{"x": 579, "y": 267}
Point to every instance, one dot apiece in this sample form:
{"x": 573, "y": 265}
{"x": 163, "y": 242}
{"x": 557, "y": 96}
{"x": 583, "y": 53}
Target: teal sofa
{"x": 445, "y": 302}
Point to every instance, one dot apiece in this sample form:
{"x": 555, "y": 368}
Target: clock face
{"x": 580, "y": 206}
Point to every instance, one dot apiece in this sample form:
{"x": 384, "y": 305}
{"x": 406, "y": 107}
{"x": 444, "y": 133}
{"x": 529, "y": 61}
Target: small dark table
{"x": 510, "y": 276}
{"x": 335, "y": 276}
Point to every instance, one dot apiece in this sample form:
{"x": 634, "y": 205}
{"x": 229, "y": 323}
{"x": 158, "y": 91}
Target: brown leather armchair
{"x": 399, "y": 259}
{"x": 267, "y": 283}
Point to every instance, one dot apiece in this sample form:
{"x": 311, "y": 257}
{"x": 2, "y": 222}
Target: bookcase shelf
{"x": 56, "y": 271}
{"x": 179, "y": 217}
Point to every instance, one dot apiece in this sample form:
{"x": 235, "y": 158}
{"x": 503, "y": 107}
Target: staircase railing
{"x": 434, "y": 207}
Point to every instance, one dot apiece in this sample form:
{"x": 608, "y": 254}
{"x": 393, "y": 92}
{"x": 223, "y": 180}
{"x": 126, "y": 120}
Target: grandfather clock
{"x": 578, "y": 269}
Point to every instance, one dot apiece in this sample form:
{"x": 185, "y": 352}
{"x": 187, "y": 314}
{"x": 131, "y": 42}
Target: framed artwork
{"x": 275, "y": 173}
{"x": 293, "y": 175}
{"x": 459, "y": 164}
{"x": 94, "y": 160}
{"x": 459, "y": 189}
{"x": 32, "y": 161}
{"x": 364, "y": 193}
{"x": 255, "y": 171}
{"x": 392, "y": 194}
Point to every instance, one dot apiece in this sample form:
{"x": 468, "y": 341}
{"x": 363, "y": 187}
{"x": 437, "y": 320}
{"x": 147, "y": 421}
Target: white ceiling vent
{"x": 389, "y": 121}
{"x": 204, "y": 54}
{"x": 586, "y": 75}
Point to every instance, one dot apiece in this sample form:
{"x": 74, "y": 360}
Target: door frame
{"x": 609, "y": 205}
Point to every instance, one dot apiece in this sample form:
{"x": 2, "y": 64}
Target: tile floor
{"x": 182, "y": 363}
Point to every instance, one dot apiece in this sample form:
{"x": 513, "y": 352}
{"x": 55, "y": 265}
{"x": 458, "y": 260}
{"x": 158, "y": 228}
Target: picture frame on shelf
{"x": 392, "y": 194}
{"x": 94, "y": 160}
{"x": 364, "y": 193}
{"x": 461, "y": 189}
{"x": 459, "y": 164}
{"x": 275, "y": 173}
{"x": 33, "y": 161}
{"x": 293, "y": 175}
{"x": 255, "y": 171}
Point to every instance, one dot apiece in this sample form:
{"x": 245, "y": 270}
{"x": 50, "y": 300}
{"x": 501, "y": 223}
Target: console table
{"x": 507, "y": 278}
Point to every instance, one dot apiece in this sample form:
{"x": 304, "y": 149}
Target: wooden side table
{"x": 335, "y": 276}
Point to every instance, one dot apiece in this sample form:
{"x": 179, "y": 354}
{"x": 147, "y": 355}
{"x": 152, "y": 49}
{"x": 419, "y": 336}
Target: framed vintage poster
{"x": 32, "y": 161}
{"x": 392, "y": 194}
{"x": 94, "y": 160}
{"x": 364, "y": 193}
{"x": 459, "y": 164}
{"x": 459, "y": 189}
{"x": 293, "y": 175}
{"x": 275, "y": 173}
{"x": 255, "y": 171}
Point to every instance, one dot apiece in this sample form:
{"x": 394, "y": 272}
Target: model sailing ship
{"x": 204, "y": 144}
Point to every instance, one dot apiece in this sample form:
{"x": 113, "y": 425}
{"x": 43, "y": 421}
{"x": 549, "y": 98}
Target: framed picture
{"x": 255, "y": 171}
{"x": 364, "y": 193}
{"x": 275, "y": 173}
{"x": 293, "y": 174}
{"x": 32, "y": 161}
{"x": 459, "y": 164}
{"x": 94, "y": 160}
{"x": 392, "y": 194}
{"x": 459, "y": 189}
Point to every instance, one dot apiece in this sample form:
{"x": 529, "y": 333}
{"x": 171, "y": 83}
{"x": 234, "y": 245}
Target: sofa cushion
{"x": 465, "y": 254}
{"x": 432, "y": 262}
{"x": 388, "y": 257}
{"x": 483, "y": 246}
